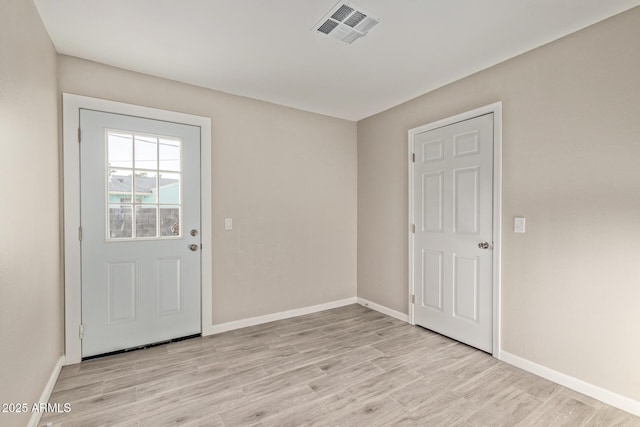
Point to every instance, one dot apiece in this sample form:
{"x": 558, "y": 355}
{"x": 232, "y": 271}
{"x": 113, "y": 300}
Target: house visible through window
{"x": 143, "y": 181}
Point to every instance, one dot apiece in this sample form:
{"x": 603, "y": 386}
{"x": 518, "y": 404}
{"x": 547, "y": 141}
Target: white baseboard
{"x": 384, "y": 310}
{"x": 46, "y": 393}
{"x": 591, "y": 390}
{"x": 252, "y": 321}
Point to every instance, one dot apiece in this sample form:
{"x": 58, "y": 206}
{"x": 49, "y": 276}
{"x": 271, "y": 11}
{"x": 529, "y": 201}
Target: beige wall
{"x": 30, "y": 286}
{"x": 286, "y": 177}
{"x": 571, "y": 147}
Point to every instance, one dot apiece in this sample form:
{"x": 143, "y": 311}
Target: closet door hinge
{"x": 413, "y": 298}
{"x": 81, "y": 331}
{"x": 79, "y": 135}
{"x": 413, "y": 155}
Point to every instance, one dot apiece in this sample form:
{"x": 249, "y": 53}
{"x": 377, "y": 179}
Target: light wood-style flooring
{"x": 349, "y": 366}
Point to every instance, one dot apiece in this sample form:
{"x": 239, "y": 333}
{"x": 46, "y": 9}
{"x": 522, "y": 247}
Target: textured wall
{"x": 30, "y": 284}
{"x": 571, "y": 120}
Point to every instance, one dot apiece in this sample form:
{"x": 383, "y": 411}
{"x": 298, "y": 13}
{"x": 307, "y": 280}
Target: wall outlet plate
{"x": 519, "y": 224}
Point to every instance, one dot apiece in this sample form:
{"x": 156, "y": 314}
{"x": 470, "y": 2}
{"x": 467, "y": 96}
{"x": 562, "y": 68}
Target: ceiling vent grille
{"x": 346, "y": 22}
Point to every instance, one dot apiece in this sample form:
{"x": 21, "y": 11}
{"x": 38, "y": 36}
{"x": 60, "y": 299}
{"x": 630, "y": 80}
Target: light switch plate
{"x": 228, "y": 224}
{"x": 518, "y": 224}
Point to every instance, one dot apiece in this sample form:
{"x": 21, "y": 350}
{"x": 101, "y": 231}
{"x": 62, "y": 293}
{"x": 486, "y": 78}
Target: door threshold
{"x": 141, "y": 347}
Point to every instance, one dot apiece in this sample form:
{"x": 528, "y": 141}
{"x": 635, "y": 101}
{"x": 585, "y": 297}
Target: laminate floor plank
{"x": 268, "y": 405}
{"x": 505, "y": 409}
{"x": 384, "y": 383}
{"x": 314, "y": 412}
{"x": 560, "y": 411}
{"x": 341, "y": 380}
{"x": 349, "y": 366}
{"x": 296, "y": 361}
{"x": 536, "y": 386}
{"x": 486, "y": 385}
{"x": 376, "y": 412}
{"x": 350, "y": 358}
{"x": 424, "y": 390}
{"x": 445, "y": 409}
{"x": 289, "y": 379}
{"x": 613, "y": 417}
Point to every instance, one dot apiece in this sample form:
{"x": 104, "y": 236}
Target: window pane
{"x": 120, "y": 150}
{"x": 169, "y": 221}
{"x": 146, "y": 187}
{"x": 146, "y": 219}
{"x": 169, "y": 188}
{"x": 169, "y": 154}
{"x": 119, "y": 221}
{"x": 120, "y": 186}
{"x": 146, "y": 152}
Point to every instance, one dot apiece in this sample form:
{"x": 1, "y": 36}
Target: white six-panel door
{"x": 140, "y": 218}
{"x": 453, "y": 216}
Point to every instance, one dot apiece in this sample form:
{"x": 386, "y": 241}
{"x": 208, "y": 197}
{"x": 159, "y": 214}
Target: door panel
{"x": 465, "y": 201}
{"x": 432, "y": 202}
{"x": 121, "y": 291}
{"x": 431, "y": 283}
{"x": 453, "y": 210}
{"x": 432, "y": 150}
{"x": 466, "y": 144}
{"x": 465, "y": 287}
{"x": 169, "y": 286}
{"x": 140, "y": 198}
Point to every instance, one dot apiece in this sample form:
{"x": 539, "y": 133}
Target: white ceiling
{"x": 267, "y": 50}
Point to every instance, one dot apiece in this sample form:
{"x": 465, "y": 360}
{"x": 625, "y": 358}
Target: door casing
{"x": 496, "y": 109}
{"x": 71, "y": 105}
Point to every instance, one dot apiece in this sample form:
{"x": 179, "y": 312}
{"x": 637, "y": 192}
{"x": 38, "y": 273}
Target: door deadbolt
{"x": 194, "y": 232}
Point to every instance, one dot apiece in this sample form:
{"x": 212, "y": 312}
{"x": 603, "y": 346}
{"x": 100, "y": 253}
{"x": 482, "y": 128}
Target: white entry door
{"x": 453, "y": 216}
{"x": 140, "y": 235}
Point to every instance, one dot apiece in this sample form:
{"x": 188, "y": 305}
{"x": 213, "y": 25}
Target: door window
{"x": 143, "y": 180}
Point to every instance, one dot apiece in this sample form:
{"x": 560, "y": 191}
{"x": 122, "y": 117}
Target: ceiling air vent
{"x": 346, "y": 22}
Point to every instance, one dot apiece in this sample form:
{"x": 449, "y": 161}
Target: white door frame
{"x": 496, "y": 109}
{"x": 71, "y": 105}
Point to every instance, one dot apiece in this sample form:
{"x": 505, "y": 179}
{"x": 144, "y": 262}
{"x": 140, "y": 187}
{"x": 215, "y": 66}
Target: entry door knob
{"x": 193, "y": 247}
{"x": 483, "y": 245}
